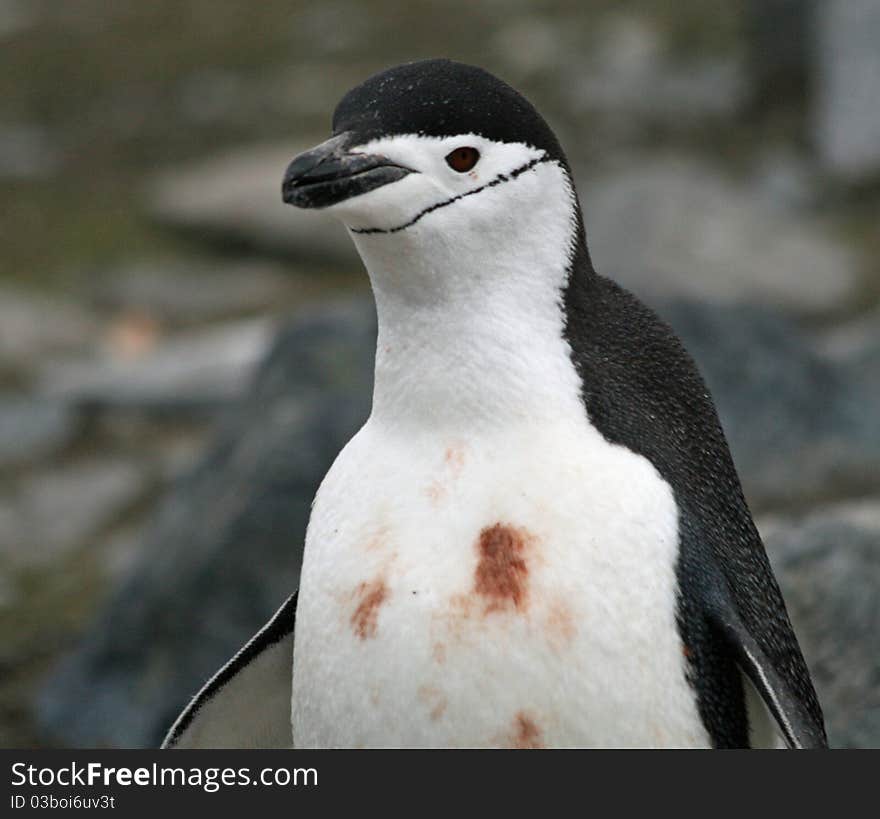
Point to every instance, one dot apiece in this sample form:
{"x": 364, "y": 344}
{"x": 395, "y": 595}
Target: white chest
{"x": 514, "y": 589}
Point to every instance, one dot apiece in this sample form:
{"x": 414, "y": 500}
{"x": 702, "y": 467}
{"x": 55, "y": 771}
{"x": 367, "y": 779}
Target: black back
{"x": 442, "y": 98}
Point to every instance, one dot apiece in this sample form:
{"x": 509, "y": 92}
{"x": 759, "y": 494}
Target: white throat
{"x": 469, "y": 304}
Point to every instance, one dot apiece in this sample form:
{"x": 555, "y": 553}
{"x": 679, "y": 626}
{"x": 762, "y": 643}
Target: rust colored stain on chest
{"x": 365, "y": 619}
{"x": 454, "y": 458}
{"x": 526, "y": 732}
{"x": 559, "y": 624}
{"x": 502, "y": 572}
{"x": 434, "y": 699}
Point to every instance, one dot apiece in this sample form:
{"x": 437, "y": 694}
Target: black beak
{"x": 328, "y": 174}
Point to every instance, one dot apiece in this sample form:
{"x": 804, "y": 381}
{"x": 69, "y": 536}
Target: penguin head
{"x": 434, "y": 147}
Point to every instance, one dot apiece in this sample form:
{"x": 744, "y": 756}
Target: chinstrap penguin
{"x": 538, "y": 538}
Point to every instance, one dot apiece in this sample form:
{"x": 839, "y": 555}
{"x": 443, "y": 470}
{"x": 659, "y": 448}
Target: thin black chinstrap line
{"x": 496, "y": 181}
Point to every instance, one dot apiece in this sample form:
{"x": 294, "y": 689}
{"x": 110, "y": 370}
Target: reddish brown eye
{"x": 462, "y": 159}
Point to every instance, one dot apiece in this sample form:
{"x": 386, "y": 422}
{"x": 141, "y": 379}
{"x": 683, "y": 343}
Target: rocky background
{"x": 181, "y": 357}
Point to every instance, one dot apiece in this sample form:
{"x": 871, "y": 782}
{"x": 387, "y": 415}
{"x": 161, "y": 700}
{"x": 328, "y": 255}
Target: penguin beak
{"x": 328, "y": 174}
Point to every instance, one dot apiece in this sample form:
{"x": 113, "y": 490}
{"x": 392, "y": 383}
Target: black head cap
{"x": 442, "y": 98}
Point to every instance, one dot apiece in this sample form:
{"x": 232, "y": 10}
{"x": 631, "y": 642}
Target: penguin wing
{"x": 798, "y": 725}
{"x": 246, "y": 704}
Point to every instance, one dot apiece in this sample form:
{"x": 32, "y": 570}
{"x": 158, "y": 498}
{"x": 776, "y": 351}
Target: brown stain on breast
{"x": 526, "y": 733}
{"x": 560, "y": 625}
{"x": 435, "y": 492}
{"x": 378, "y": 538}
{"x": 459, "y": 611}
{"x": 451, "y": 626}
{"x": 434, "y": 699}
{"x": 453, "y": 464}
{"x": 502, "y": 574}
{"x": 454, "y": 459}
{"x": 370, "y": 596}
{"x": 500, "y": 585}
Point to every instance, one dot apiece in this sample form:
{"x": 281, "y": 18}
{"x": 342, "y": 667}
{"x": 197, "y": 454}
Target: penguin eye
{"x": 462, "y": 159}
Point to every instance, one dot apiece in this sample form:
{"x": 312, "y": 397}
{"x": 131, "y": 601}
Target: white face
{"x": 437, "y": 185}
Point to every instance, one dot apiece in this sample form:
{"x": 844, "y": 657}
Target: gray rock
{"x": 120, "y": 553}
{"x": 183, "y": 294}
{"x": 629, "y": 72}
{"x": 865, "y": 366}
{"x": 26, "y": 150}
{"x": 828, "y": 566}
{"x": 778, "y": 35}
{"x": 302, "y": 92}
{"x": 50, "y": 513}
{"x": 531, "y": 43}
{"x": 31, "y": 430}
{"x": 676, "y": 228}
{"x": 226, "y": 547}
{"x": 16, "y": 16}
{"x": 33, "y": 326}
{"x": 8, "y": 592}
{"x": 194, "y": 371}
{"x": 847, "y": 108}
{"x": 212, "y": 95}
{"x": 854, "y": 347}
{"x": 10, "y": 526}
{"x": 853, "y": 340}
{"x": 796, "y": 421}
{"x": 787, "y": 181}
{"x": 236, "y": 198}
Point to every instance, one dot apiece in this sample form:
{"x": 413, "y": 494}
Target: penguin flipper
{"x": 796, "y": 724}
{"x": 246, "y": 704}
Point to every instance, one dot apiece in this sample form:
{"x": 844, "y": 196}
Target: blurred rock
{"x": 52, "y": 512}
{"x": 847, "y": 108}
{"x": 530, "y": 44}
{"x": 236, "y": 199}
{"x": 854, "y": 348}
{"x": 630, "y": 74}
{"x": 26, "y": 151}
{"x": 302, "y": 92}
{"x": 305, "y": 91}
{"x": 676, "y": 228}
{"x": 121, "y": 552}
{"x": 796, "y": 421}
{"x": 865, "y": 366}
{"x": 828, "y": 566}
{"x": 212, "y": 94}
{"x": 16, "y": 16}
{"x": 197, "y": 371}
{"x": 787, "y": 180}
{"x": 33, "y": 326}
{"x": 187, "y": 294}
{"x": 8, "y": 593}
{"x": 778, "y": 36}
{"x": 336, "y": 27}
{"x": 226, "y": 546}
{"x": 31, "y": 430}
{"x": 852, "y": 339}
